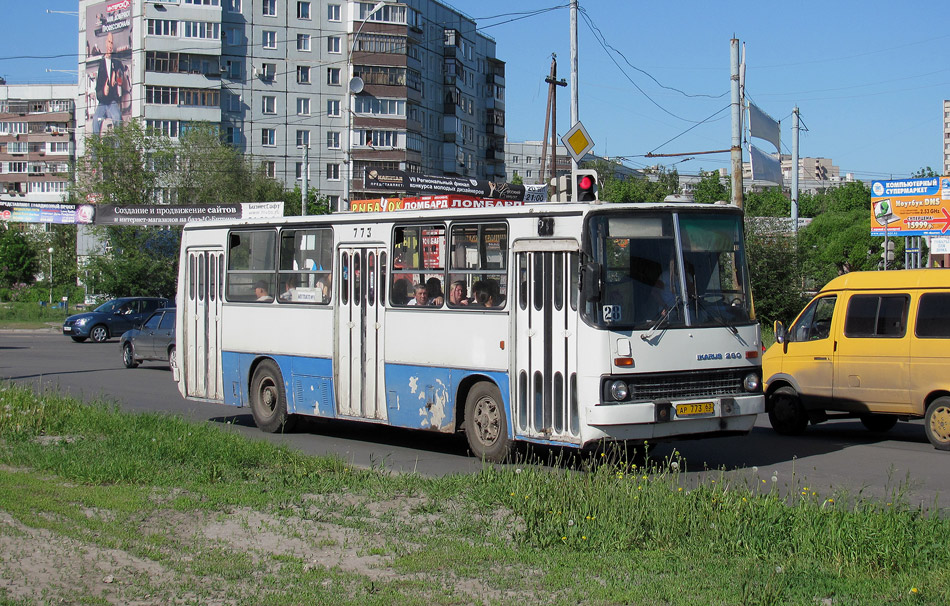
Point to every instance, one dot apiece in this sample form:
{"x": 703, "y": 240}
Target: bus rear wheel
{"x": 268, "y": 399}
{"x": 486, "y": 425}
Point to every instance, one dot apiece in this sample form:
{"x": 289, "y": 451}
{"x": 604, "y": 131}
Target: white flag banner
{"x": 765, "y": 167}
{"x": 763, "y": 126}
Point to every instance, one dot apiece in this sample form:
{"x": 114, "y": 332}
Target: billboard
{"x": 402, "y": 181}
{"x": 107, "y": 80}
{"x": 910, "y": 207}
{"x": 428, "y": 203}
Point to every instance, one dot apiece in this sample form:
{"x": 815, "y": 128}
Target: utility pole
{"x": 795, "y": 171}
{"x": 304, "y": 193}
{"x": 736, "y": 126}
{"x": 551, "y": 118}
{"x": 575, "y": 109}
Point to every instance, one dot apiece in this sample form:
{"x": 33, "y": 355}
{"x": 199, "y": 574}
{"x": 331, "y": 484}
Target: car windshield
{"x": 110, "y": 306}
{"x": 685, "y": 268}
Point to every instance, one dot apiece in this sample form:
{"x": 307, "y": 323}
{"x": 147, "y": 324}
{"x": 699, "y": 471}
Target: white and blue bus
{"x": 552, "y": 323}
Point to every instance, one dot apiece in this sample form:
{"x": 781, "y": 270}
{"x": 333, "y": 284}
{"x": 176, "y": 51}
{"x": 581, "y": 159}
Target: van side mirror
{"x": 779, "y": 332}
{"x": 590, "y": 281}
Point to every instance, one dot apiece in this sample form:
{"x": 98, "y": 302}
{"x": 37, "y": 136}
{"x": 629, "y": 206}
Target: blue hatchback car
{"x": 112, "y": 318}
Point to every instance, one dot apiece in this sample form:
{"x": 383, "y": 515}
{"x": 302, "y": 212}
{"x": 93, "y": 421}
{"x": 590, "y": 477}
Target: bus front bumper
{"x": 670, "y": 418}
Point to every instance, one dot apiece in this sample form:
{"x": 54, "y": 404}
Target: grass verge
{"x": 99, "y": 506}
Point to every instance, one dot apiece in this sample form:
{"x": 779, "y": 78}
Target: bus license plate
{"x": 696, "y": 408}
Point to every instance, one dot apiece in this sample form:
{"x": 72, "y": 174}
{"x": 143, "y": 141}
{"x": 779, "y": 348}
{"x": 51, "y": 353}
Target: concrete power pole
{"x": 736, "y": 126}
{"x": 795, "y": 171}
{"x": 575, "y": 110}
{"x": 304, "y": 193}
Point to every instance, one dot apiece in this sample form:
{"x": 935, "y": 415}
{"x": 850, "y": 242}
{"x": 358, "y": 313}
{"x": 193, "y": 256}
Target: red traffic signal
{"x": 585, "y": 186}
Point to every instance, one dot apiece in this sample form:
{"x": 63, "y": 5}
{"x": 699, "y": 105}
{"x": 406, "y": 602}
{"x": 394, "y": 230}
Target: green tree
{"x": 924, "y": 173}
{"x": 839, "y": 242}
{"x": 710, "y": 188}
{"x": 517, "y": 180}
{"x": 769, "y": 203}
{"x": 774, "y": 269}
{"x": 18, "y": 259}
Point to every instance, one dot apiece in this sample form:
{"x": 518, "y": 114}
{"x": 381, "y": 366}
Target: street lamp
{"x": 354, "y": 87}
{"x": 50, "y": 251}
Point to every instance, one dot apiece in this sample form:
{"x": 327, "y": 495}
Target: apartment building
{"x": 399, "y": 85}
{"x": 946, "y": 138}
{"x": 37, "y": 141}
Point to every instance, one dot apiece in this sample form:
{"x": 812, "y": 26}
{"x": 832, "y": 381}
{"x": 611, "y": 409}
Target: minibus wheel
{"x": 786, "y": 413}
{"x": 878, "y": 423}
{"x": 937, "y": 423}
{"x": 268, "y": 400}
{"x": 486, "y": 425}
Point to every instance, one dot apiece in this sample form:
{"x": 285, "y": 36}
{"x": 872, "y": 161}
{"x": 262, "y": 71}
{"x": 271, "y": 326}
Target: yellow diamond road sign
{"x": 577, "y": 141}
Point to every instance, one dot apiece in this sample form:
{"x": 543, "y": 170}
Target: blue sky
{"x": 869, "y": 77}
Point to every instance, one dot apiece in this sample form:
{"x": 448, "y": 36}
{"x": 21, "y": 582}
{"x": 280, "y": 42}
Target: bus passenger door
{"x": 359, "y": 363}
{"x": 544, "y": 403}
{"x": 199, "y": 352}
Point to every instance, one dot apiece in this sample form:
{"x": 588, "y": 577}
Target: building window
{"x": 303, "y": 42}
{"x": 270, "y": 169}
{"x": 303, "y": 74}
{"x": 298, "y": 171}
{"x": 162, "y": 27}
{"x": 270, "y": 8}
{"x": 229, "y": 132}
{"x": 333, "y": 44}
{"x": 202, "y": 29}
{"x": 333, "y": 172}
{"x": 379, "y": 107}
{"x": 204, "y": 2}
{"x": 303, "y": 106}
{"x": 333, "y": 108}
{"x": 268, "y": 137}
{"x": 333, "y": 12}
{"x": 333, "y": 76}
{"x": 333, "y": 140}
{"x": 303, "y": 10}
{"x": 168, "y": 128}
{"x": 269, "y": 105}
{"x": 268, "y": 70}
{"x": 270, "y": 40}
{"x": 303, "y": 138}
{"x": 234, "y": 6}
{"x": 234, "y": 102}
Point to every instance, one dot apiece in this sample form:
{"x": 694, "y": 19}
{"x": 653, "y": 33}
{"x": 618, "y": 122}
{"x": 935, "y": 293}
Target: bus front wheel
{"x": 486, "y": 425}
{"x": 268, "y": 400}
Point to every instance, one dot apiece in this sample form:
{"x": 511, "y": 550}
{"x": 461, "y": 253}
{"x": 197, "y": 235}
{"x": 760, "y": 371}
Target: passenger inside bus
{"x": 290, "y": 288}
{"x": 420, "y": 297}
{"x": 400, "y": 292}
{"x": 434, "y": 291}
{"x": 485, "y": 293}
{"x": 260, "y": 291}
{"x": 323, "y": 285}
{"x": 458, "y": 293}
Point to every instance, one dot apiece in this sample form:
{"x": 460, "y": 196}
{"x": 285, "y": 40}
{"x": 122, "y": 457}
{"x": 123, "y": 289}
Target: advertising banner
{"x": 402, "y": 181}
{"x": 106, "y": 83}
{"x": 428, "y": 203}
{"x": 910, "y": 207}
{"x": 44, "y": 212}
{"x": 158, "y": 214}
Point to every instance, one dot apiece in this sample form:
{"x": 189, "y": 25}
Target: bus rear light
{"x": 623, "y": 361}
{"x": 751, "y": 355}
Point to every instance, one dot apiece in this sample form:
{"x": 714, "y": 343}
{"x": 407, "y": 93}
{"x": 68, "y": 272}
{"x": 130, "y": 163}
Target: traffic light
{"x": 584, "y": 186}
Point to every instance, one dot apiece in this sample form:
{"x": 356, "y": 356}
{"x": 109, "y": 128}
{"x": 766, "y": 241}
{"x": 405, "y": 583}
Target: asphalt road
{"x": 835, "y": 455}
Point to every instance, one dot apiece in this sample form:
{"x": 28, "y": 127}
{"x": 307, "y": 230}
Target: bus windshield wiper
{"x": 715, "y": 315}
{"x": 664, "y": 317}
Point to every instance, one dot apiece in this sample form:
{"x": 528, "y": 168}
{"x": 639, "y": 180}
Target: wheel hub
{"x": 940, "y": 424}
{"x": 487, "y": 421}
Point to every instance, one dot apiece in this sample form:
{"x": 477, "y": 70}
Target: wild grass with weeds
{"x": 607, "y": 531}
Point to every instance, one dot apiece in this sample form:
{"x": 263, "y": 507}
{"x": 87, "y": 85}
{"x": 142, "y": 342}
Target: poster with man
{"x": 108, "y": 78}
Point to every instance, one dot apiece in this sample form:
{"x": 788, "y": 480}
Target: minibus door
{"x": 199, "y": 351}
{"x": 358, "y": 380}
{"x": 545, "y": 308}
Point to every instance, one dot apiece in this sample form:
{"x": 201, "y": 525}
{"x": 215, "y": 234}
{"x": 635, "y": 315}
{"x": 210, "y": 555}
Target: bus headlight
{"x": 618, "y": 391}
{"x": 751, "y": 382}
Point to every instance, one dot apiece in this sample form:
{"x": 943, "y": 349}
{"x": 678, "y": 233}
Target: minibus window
{"x": 933, "y": 316}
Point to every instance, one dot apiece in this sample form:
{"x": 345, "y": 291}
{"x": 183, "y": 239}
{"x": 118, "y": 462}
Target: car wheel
{"x": 128, "y": 356}
{"x": 486, "y": 426}
{"x": 878, "y": 423}
{"x": 172, "y": 360}
{"x": 786, "y": 413}
{"x": 78, "y": 339}
{"x": 937, "y": 423}
{"x": 99, "y": 333}
{"x": 268, "y": 400}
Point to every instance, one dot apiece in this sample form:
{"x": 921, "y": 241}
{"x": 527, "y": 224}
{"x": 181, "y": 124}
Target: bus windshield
{"x": 668, "y": 269}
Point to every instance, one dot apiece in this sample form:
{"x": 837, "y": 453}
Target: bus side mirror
{"x": 590, "y": 281}
{"x": 779, "y": 332}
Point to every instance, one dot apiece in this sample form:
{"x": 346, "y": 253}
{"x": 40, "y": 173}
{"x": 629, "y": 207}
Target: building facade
{"x": 37, "y": 141}
{"x": 946, "y": 138}
{"x": 403, "y": 85}
{"x": 523, "y": 159}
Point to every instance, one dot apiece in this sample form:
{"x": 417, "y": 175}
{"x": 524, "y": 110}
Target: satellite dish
{"x": 356, "y": 85}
